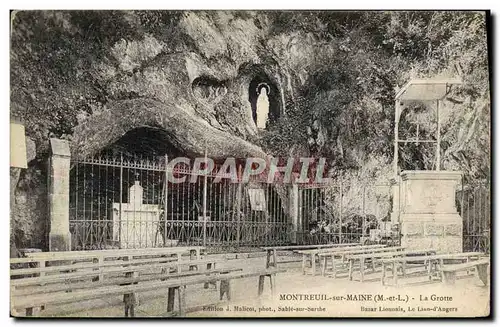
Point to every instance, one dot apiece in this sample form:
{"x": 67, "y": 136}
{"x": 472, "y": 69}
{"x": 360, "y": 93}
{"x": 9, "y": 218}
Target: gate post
{"x": 294, "y": 210}
{"x": 58, "y": 186}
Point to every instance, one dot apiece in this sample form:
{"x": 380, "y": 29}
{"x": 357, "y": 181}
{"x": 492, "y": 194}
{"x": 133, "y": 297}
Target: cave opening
{"x": 144, "y": 142}
{"x": 264, "y": 100}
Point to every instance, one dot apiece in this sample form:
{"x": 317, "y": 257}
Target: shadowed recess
{"x": 144, "y": 141}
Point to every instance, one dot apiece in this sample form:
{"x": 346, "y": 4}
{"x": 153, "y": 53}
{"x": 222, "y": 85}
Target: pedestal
{"x": 428, "y": 214}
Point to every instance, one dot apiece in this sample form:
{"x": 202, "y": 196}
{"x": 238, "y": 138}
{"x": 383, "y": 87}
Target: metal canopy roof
{"x": 425, "y": 89}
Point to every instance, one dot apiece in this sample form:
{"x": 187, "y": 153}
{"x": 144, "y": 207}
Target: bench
{"x": 194, "y": 252}
{"x": 429, "y": 261}
{"x": 344, "y": 254}
{"x": 105, "y": 257}
{"x": 311, "y": 255}
{"x": 272, "y": 251}
{"x": 66, "y": 278}
{"x": 100, "y": 273}
{"x": 400, "y": 252}
{"x": 481, "y": 266}
{"x": 174, "y": 286}
{"x": 89, "y": 267}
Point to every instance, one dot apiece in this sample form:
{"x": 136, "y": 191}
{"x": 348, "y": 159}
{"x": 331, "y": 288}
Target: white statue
{"x": 262, "y": 108}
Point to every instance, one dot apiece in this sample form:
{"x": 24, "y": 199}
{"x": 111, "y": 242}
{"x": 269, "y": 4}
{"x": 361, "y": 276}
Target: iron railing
{"x": 128, "y": 203}
{"x": 118, "y": 203}
{"x": 474, "y": 206}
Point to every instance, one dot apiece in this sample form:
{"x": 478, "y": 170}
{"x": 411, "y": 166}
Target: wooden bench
{"x": 67, "y": 278}
{"x": 380, "y": 255}
{"x": 481, "y": 266}
{"x": 174, "y": 286}
{"x": 97, "y": 266}
{"x": 341, "y": 253}
{"x": 106, "y": 257}
{"x": 311, "y": 255}
{"x": 194, "y": 252}
{"x": 272, "y": 251}
{"x": 344, "y": 254}
{"x": 100, "y": 273}
{"x": 429, "y": 261}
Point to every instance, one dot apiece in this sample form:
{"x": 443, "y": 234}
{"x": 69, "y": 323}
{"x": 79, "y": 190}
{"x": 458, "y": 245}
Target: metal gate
{"x": 474, "y": 206}
{"x": 341, "y": 212}
{"x": 130, "y": 203}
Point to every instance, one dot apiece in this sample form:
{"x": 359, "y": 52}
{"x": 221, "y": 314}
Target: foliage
{"x": 352, "y": 93}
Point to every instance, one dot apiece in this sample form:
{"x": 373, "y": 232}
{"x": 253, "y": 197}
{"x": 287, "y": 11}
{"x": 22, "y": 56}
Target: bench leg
{"x": 132, "y": 310}
{"x": 129, "y": 302}
{"x": 225, "y": 288}
{"x": 313, "y": 264}
{"x": 429, "y": 268}
{"x": 170, "y": 299}
{"x": 261, "y": 285}
{"x": 449, "y": 277}
{"x": 29, "y": 312}
{"x": 304, "y": 264}
{"x": 268, "y": 259}
{"x": 403, "y": 266}
{"x": 482, "y": 272}
{"x": 182, "y": 300}
{"x": 334, "y": 267}
{"x": 129, "y": 309}
{"x": 383, "y": 273}
{"x": 436, "y": 269}
{"x": 362, "y": 269}
{"x": 275, "y": 259}
{"x": 351, "y": 264}
{"x": 272, "y": 281}
{"x": 209, "y": 266}
{"x": 394, "y": 274}
{"x": 323, "y": 265}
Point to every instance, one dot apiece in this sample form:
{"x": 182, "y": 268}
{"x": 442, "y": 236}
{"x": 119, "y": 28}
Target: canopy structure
{"x": 426, "y": 89}
{"x": 422, "y": 90}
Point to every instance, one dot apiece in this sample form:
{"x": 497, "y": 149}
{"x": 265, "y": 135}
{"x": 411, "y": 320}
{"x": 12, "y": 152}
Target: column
{"x": 59, "y": 167}
{"x": 395, "y": 187}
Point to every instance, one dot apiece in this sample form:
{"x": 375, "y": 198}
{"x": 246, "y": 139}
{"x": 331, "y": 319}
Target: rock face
{"x": 202, "y": 100}
{"x": 198, "y": 91}
{"x": 201, "y": 86}
{"x": 29, "y": 213}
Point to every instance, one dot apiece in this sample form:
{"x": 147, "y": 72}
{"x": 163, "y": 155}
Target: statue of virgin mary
{"x": 262, "y": 108}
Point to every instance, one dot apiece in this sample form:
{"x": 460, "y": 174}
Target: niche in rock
{"x": 264, "y": 100}
{"x": 208, "y": 89}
